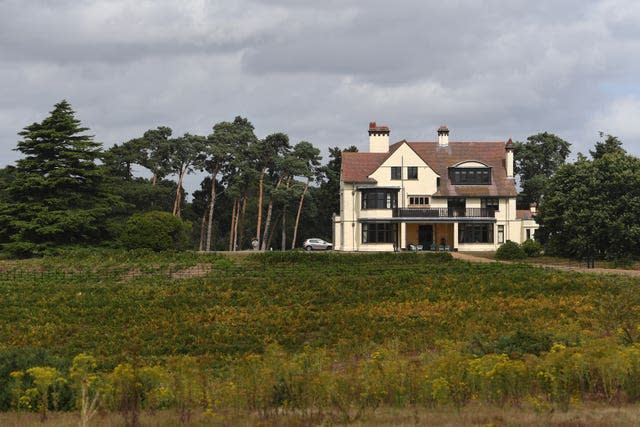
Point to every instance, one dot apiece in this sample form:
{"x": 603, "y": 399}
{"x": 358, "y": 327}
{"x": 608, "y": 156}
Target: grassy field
{"x": 471, "y": 416}
{"x": 325, "y": 337}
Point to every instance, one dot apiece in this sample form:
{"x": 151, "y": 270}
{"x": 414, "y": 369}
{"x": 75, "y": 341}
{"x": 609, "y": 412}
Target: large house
{"x": 435, "y": 195}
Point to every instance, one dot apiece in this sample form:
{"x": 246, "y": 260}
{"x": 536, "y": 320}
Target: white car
{"x": 316, "y": 244}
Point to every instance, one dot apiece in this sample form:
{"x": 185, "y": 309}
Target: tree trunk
{"x": 177, "y": 203}
{"x": 233, "y": 219}
{"x": 235, "y": 227}
{"x": 212, "y": 203}
{"x": 272, "y": 232}
{"x": 242, "y": 213}
{"x": 202, "y": 230}
{"x": 267, "y": 222}
{"x": 284, "y": 229}
{"x": 260, "y": 197}
{"x": 295, "y": 227}
{"x": 283, "y": 246}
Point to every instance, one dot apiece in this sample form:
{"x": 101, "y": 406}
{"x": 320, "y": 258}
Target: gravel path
{"x": 616, "y": 271}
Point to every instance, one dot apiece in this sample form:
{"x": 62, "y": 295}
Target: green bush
{"x": 23, "y": 250}
{"x": 159, "y": 231}
{"x": 532, "y": 248}
{"x": 510, "y": 250}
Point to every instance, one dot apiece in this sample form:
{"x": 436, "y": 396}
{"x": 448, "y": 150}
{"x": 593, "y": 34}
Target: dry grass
{"x": 475, "y": 414}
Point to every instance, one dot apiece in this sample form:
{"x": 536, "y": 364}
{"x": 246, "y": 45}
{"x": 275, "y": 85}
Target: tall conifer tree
{"x": 56, "y": 196}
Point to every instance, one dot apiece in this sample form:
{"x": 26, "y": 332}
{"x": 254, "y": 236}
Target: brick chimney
{"x": 443, "y": 136}
{"x": 378, "y": 138}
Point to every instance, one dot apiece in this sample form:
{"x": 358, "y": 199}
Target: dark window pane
{"x": 470, "y": 176}
{"x": 378, "y": 233}
{"x": 475, "y": 233}
{"x": 396, "y": 172}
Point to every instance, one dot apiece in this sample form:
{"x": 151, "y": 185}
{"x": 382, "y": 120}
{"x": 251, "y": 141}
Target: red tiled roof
{"x": 524, "y": 214}
{"x": 356, "y": 167}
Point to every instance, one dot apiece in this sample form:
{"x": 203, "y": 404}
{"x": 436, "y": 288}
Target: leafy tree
{"x": 536, "y": 160}
{"x": 153, "y": 152}
{"x": 611, "y": 144}
{"x": 240, "y": 177}
{"x": 592, "y": 208}
{"x": 155, "y": 230}
{"x": 278, "y": 175}
{"x": 57, "y": 195}
{"x": 186, "y": 153}
{"x": 227, "y": 142}
{"x": 310, "y": 155}
{"x": 266, "y": 152}
{"x": 220, "y": 223}
{"x": 119, "y": 160}
{"x": 328, "y": 193}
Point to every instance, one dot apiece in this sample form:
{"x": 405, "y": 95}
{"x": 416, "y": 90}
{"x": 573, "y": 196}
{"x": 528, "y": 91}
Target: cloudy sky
{"x": 321, "y": 70}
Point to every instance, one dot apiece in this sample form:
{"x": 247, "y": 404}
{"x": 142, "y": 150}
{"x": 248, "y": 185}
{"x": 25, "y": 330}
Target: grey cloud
{"x": 321, "y": 71}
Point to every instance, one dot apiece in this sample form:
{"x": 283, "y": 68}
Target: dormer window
{"x": 470, "y": 176}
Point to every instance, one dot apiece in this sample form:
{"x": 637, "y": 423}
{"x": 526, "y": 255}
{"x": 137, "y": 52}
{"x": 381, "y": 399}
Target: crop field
{"x": 297, "y": 339}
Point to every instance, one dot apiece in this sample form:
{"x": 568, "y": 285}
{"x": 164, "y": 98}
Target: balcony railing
{"x": 443, "y": 212}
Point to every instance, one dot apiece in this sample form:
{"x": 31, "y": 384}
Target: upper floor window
{"x": 412, "y": 172}
{"x": 379, "y": 199}
{"x": 396, "y": 172}
{"x": 470, "y": 176}
{"x": 418, "y": 200}
{"x": 490, "y": 203}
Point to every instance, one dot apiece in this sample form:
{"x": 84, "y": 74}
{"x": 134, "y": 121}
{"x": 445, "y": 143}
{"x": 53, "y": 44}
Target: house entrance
{"x": 425, "y": 236}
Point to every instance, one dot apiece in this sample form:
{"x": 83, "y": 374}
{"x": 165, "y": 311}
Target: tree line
{"x": 67, "y": 190}
{"x": 589, "y": 208}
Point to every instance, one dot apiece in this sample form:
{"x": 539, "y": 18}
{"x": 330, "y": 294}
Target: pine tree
{"x": 56, "y": 196}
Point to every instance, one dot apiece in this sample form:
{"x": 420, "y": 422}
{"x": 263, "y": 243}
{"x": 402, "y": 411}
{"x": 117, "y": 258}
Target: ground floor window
{"x": 501, "y": 234}
{"x": 475, "y": 233}
{"x": 374, "y": 232}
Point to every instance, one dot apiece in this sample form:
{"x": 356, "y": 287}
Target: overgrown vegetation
{"x": 312, "y": 336}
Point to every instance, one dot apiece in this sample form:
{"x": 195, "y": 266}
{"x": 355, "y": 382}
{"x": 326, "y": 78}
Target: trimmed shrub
{"x": 510, "y": 250}
{"x": 532, "y": 248}
{"x": 155, "y": 230}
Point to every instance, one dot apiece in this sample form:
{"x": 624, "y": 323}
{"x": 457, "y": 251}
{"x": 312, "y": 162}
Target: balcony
{"x": 443, "y": 213}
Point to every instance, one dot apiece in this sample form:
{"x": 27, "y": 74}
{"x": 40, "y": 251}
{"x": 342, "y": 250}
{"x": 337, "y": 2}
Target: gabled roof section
{"x": 491, "y": 154}
{"x": 357, "y": 167}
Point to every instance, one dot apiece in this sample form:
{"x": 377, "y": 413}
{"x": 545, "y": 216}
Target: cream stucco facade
{"x": 398, "y": 199}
